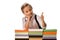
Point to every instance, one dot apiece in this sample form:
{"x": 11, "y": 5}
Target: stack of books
{"x": 21, "y": 35}
{"x": 49, "y": 34}
{"x": 35, "y": 34}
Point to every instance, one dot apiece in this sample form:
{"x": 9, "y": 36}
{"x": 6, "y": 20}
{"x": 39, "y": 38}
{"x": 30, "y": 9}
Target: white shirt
{"x": 33, "y": 24}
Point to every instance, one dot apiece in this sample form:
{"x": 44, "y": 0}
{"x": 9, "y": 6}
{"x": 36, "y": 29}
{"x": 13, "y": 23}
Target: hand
{"x": 42, "y": 17}
{"x": 28, "y": 19}
{"x": 27, "y": 23}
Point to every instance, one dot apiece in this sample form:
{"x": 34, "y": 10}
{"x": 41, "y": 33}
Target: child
{"x": 31, "y": 20}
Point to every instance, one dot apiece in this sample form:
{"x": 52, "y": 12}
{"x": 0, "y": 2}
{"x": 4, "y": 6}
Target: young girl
{"x": 31, "y": 20}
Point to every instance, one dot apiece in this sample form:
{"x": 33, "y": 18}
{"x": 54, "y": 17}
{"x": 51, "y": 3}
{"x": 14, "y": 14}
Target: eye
{"x": 26, "y": 11}
{"x": 29, "y": 9}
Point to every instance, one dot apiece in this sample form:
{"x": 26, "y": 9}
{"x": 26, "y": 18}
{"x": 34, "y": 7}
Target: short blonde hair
{"x": 24, "y": 5}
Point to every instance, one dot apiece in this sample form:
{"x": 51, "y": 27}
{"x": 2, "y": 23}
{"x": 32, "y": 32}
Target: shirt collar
{"x": 31, "y": 17}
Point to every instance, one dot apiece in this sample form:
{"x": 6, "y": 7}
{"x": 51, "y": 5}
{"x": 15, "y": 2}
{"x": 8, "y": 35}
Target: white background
{"x": 11, "y": 15}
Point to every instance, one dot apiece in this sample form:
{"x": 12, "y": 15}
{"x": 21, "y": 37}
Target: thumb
{"x": 42, "y": 14}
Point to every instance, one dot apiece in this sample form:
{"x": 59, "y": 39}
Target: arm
{"x": 27, "y": 23}
{"x": 42, "y": 19}
{"x": 43, "y": 23}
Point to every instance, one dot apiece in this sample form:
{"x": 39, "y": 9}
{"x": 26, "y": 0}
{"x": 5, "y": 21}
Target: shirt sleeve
{"x": 23, "y": 20}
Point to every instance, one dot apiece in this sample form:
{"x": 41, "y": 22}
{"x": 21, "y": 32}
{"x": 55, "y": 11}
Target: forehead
{"x": 27, "y": 8}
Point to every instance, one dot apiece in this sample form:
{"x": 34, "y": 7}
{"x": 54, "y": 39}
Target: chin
{"x": 28, "y": 14}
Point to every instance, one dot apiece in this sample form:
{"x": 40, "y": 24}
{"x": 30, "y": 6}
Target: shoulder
{"x": 38, "y": 17}
{"x": 23, "y": 19}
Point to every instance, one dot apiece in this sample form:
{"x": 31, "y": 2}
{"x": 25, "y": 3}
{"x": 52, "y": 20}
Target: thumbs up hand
{"x": 42, "y": 17}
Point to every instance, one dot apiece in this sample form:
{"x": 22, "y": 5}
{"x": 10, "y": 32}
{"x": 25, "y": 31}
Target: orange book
{"x": 48, "y": 33}
{"x": 21, "y": 30}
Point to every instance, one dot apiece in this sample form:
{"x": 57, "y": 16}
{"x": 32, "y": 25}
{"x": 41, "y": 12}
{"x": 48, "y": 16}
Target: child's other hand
{"x": 42, "y": 17}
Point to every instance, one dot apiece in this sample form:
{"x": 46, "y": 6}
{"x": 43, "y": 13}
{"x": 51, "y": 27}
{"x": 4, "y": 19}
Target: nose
{"x": 29, "y": 12}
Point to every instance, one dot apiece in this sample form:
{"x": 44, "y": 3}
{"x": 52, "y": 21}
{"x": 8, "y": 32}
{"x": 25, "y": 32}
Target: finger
{"x": 42, "y": 13}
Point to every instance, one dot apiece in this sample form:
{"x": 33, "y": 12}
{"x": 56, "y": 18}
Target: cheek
{"x": 25, "y": 13}
{"x": 31, "y": 11}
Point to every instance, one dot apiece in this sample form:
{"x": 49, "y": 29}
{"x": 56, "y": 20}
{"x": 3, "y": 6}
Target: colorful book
{"x": 21, "y": 35}
{"x": 35, "y": 32}
{"x": 49, "y": 34}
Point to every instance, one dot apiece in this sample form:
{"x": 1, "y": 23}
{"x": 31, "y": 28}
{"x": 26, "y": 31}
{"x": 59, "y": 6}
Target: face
{"x": 27, "y": 11}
